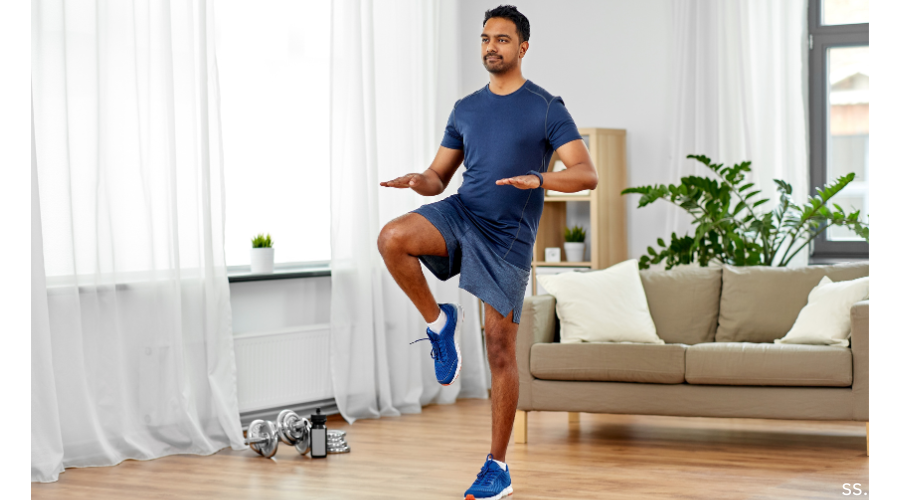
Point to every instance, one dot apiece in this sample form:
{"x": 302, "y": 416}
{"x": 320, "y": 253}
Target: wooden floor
{"x": 437, "y": 454}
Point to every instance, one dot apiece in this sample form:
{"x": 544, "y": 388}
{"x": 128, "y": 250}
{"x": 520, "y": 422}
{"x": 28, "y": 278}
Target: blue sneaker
{"x": 445, "y": 346}
{"x": 492, "y": 483}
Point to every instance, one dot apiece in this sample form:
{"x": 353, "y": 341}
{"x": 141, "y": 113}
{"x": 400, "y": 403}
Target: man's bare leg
{"x": 500, "y": 336}
{"x": 401, "y": 241}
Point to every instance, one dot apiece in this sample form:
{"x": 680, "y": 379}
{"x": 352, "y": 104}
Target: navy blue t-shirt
{"x": 505, "y": 136}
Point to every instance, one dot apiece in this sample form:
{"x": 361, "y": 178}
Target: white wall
{"x": 281, "y": 331}
{"x": 259, "y": 306}
{"x": 610, "y": 62}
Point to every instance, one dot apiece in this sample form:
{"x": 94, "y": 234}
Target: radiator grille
{"x": 283, "y": 367}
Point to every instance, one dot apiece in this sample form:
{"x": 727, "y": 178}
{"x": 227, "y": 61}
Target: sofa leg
{"x": 574, "y": 417}
{"x": 520, "y": 427}
{"x": 867, "y": 439}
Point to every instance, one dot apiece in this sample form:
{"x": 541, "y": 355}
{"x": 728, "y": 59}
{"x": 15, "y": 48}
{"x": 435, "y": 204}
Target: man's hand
{"x": 434, "y": 179}
{"x": 406, "y": 181}
{"x": 529, "y": 181}
{"x": 426, "y": 184}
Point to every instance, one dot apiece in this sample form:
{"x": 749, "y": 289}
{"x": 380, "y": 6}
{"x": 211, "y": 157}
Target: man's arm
{"x": 579, "y": 174}
{"x": 434, "y": 180}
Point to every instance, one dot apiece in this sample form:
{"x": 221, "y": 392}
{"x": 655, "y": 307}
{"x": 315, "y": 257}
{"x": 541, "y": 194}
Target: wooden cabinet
{"x": 606, "y": 231}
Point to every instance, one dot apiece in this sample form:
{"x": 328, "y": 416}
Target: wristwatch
{"x": 541, "y": 177}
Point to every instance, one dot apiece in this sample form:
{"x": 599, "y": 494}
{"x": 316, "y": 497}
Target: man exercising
{"x": 505, "y": 133}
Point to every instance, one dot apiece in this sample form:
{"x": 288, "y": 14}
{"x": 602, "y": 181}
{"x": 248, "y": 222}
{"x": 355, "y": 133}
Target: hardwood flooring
{"x": 436, "y": 455}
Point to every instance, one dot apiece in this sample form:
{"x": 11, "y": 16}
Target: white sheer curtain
{"x": 132, "y": 354}
{"x": 46, "y": 436}
{"x": 395, "y": 77}
{"x": 740, "y": 94}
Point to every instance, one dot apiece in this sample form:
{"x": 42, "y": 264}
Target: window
{"x": 273, "y": 59}
{"x": 839, "y": 114}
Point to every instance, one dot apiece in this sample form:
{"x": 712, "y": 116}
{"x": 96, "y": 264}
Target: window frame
{"x": 821, "y": 38}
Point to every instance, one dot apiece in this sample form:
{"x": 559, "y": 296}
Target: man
{"x": 506, "y": 132}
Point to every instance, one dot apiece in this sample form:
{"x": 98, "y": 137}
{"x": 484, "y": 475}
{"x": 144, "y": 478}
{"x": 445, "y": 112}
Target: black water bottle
{"x": 319, "y": 435}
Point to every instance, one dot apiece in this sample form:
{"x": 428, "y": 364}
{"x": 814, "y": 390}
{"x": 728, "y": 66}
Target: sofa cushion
{"x": 607, "y": 305}
{"x": 825, "y": 319}
{"x": 684, "y": 303}
{"x": 742, "y": 363}
{"x": 611, "y": 362}
{"x": 761, "y": 303}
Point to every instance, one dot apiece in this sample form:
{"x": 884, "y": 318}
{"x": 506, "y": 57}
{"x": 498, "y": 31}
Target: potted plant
{"x": 262, "y": 255}
{"x": 574, "y": 244}
{"x": 732, "y": 230}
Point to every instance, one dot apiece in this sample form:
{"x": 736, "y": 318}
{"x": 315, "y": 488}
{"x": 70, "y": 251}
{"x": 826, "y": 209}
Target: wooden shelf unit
{"x": 538, "y": 263}
{"x": 606, "y": 232}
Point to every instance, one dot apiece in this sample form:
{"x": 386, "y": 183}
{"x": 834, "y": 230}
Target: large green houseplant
{"x": 732, "y": 230}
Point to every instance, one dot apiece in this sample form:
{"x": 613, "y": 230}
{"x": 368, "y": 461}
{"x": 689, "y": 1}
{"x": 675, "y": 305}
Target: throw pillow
{"x": 761, "y": 303}
{"x": 602, "y": 306}
{"x": 825, "y": 319}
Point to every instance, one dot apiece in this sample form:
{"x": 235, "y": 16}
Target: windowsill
{"x": 819, "y": 261}
{"x": 241, "y": 274}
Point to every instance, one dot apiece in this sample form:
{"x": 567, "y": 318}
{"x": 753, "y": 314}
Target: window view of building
{"x": 848, "y": 126}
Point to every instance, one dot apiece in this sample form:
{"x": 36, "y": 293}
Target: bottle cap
{"x": 318, "y": 418}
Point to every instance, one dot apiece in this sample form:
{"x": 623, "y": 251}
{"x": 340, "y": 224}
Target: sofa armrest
{"x": 859, "y": 346}
{"x": 537, "y": 324}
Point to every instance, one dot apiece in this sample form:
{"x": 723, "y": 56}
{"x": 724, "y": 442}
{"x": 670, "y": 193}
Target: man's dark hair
{"x": 523, "y": 27}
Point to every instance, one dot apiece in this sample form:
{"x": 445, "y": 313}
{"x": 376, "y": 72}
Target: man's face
{"x": 500, "y": 47}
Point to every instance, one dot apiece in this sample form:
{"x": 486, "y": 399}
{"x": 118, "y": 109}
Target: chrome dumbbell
{"x": 293, "y": 430}
{"x": 262, "y": 436}
{"x": 337, "y": 442}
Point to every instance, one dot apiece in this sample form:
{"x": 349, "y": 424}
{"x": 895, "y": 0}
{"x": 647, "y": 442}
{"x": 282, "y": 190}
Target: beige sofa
{"x": 719, "y": 359}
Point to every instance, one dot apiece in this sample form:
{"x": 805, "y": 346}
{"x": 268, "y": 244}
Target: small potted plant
{"x": 262, "y": 255}
{"x": 574, "y": 244}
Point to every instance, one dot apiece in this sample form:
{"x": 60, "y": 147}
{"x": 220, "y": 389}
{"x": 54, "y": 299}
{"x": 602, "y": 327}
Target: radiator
{"x": 281, "y": 368}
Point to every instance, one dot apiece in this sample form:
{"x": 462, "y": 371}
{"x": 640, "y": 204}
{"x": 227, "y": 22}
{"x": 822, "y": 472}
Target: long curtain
{"x": 46, "y": 439}
{"x": 132, "y": 353}
{"x": 395, "y": 78}
{"x": 740, "y": 94}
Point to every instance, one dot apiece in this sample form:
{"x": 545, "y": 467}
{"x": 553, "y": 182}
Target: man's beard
{"x": 498, "y": 67}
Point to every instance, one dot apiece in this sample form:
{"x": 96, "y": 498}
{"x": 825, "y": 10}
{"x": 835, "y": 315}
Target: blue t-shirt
{"x": 505, "y": 136}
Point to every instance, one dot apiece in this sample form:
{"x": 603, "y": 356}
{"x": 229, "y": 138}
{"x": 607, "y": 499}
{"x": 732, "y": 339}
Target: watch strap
{"x": 538, "y": 174}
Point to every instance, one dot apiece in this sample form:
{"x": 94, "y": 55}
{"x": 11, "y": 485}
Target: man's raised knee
{"x": 390, "y": 239}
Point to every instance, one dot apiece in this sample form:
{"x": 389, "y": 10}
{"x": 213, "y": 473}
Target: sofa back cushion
{"x": 760, "y": 303}
{"x": 684, "y": 303}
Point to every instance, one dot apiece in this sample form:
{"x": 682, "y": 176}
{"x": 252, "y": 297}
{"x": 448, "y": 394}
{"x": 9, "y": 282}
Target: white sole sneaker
{"x": 505, "y": 493}
{"x": 460, "y": 317}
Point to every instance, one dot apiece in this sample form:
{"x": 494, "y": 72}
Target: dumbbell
{"x": 262, "y": 436}
{"x": 337, "y": 442}
{"x": 293, "y": 430}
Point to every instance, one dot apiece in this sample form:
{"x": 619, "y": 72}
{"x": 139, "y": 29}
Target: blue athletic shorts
{"x": 482, "y": 272}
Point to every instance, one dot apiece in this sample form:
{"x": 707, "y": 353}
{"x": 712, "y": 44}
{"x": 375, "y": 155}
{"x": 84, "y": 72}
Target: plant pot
{"x": 574, "y": 252}
{"x": 262, "y": 260}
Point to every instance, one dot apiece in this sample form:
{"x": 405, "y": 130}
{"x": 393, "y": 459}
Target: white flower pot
{"x": 262, "y": 260}
{"x": 574, "y": 252}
